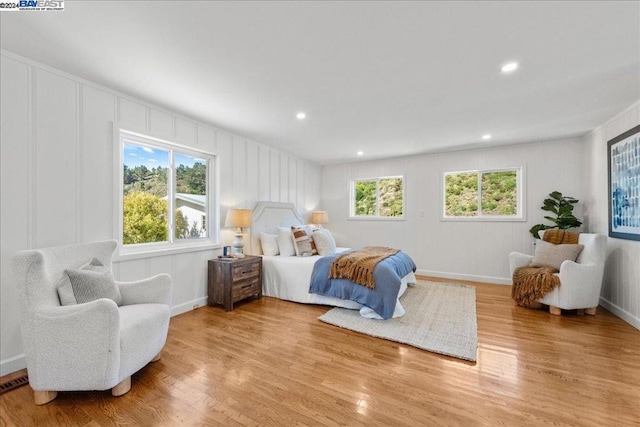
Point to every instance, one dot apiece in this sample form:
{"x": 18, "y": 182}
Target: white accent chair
{"x": 580, "y": 281}
{"x": 91, "y": 346}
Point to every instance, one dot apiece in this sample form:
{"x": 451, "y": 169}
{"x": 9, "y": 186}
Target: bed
{"x": 288, "y": 277}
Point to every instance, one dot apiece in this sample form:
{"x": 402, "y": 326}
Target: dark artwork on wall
{"x": 624, "y": 185}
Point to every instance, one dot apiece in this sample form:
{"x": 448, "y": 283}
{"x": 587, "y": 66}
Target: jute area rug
{"x": 439, "y": 317}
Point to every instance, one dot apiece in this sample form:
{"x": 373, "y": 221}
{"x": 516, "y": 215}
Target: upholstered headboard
{"x": 267, "y": 217}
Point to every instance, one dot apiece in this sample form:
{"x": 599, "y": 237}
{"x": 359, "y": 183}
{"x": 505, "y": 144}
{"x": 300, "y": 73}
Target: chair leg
{"x": 158, "y": 356}
{"x": 44, "y": 396}
{"x": 122, "y": 387}
{"x": 590, "y": 311}
{"x": 555, "y": 310}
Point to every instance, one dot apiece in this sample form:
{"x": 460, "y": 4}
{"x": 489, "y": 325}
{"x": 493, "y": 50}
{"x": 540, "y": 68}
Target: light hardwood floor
{"x": 271, "y": 362}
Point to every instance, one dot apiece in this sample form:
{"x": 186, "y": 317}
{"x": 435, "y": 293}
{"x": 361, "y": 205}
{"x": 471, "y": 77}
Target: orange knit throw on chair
{"x": 532, "y": 283}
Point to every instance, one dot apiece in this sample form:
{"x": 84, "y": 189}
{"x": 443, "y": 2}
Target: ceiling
{"x": 386, "y": 78}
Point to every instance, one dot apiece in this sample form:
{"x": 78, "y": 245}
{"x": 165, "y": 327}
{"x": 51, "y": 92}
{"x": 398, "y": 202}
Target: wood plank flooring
{"x": 271, "y": 362}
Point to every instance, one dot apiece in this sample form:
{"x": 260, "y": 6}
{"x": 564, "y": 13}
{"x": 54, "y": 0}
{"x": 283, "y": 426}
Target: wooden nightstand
{"x": 232, "y": 280}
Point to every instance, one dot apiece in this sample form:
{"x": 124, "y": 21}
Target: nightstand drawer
{"x": 245, "y": 271}
{"x": 244, "y": 289}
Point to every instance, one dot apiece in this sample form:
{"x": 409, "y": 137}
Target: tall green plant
{"x": 562, "y": 207}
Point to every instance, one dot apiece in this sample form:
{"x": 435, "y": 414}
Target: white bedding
{"x": 288, "y": 278}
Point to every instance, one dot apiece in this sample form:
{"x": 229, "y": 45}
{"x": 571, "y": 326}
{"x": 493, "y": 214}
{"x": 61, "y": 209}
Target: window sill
{"x": 375, "y": 218}
{"x": 125, "y": 254}
{"x": 483, "y": 219}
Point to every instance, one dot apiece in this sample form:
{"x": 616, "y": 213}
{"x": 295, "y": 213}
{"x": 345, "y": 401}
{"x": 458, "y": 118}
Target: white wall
{"x": 57, "y": 175}
{"x": 460, "y": 250}
{"x": 621, "y": 287}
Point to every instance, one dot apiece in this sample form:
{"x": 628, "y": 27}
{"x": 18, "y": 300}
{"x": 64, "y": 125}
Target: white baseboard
{"x": 470, "y": 277}
{"x": 188, "y": 306}
{"x": 621, "y": 313}
{"x": 12, "y": 364}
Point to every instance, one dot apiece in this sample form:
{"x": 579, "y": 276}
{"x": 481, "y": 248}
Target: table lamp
{"x": 319, "y": 217}
{"x": 238, "y": 218}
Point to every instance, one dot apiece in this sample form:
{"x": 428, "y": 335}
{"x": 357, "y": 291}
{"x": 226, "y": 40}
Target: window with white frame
{"x": 377, "y": 198}
{"x": 495, "y": 194}
{"x": 165, "y": 193}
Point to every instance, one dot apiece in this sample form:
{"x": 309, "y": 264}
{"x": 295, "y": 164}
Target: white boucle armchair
{"x": 92, "y": 346}
{"x": 580, "y": 281}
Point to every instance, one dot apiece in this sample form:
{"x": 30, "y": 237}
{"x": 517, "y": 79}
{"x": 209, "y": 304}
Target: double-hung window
{"x": 493, "y": 195}
{"x": 377, "y": 198}
{"x": 165, "y": 194}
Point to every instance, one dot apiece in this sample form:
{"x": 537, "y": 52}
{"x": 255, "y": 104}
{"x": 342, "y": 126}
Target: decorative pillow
{"x": 65, "y": 290}
{"x": 325, "y": 244}
{"x": 285, "y": 242}
{"x": 91, "y": 282}
{"x": 269, "y": 243}
{"x": 302, "y": 242}
{"x": 550, "y": 255}
{"x": 558, "y": 236}
{"x": 309, "y": 228}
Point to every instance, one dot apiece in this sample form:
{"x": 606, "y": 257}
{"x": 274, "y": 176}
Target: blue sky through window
{"x": 188, "y": 161}
{"x": 138, "y": 155}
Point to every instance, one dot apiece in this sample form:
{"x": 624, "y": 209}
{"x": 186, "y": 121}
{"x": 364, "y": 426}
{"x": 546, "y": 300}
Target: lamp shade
{"x": 241, "y": 218}
{"x": 319, "y": 217}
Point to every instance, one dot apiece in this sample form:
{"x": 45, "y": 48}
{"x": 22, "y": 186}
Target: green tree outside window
{"x": 381, "y": 197}
{"x": 483, "y": 193}
{"x": 145, "y": 192}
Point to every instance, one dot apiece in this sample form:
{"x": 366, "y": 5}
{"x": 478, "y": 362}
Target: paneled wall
{"x": 621, "y": 287}
{"x": 459, "y": 250}
{"x": 57, "y": 178}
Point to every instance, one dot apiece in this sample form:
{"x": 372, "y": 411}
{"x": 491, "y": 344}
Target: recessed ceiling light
{"x": 360, "y": 153}
{"x": 509, "y": 68}
{"x": 301, "y": 116}
{"x": 486, "y": 136}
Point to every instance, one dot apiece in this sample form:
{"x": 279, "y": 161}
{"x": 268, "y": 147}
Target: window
{"x": 164, "y": 195}
{"x": 483, "y": 195}
{"x": 378, "y": 198}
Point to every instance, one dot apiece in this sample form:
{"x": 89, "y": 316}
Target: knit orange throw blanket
{"x": 532, "y": 283}
{"x": 358, "y": 266}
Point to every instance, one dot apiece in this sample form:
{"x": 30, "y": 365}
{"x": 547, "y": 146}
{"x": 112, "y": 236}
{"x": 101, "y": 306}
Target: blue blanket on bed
{"x": 387, "y": 274}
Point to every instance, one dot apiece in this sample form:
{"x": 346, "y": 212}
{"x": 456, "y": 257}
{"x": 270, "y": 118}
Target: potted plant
{"x": 562, "y": 207}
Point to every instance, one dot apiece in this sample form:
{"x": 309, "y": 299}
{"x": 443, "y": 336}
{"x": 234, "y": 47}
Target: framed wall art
{"x": 624, "y": 185}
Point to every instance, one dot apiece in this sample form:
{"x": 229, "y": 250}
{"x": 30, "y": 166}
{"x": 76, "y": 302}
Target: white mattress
{"x": 288, "y": 278}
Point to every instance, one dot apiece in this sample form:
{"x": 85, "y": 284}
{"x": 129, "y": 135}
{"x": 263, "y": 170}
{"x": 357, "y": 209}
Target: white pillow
{"x": 550, "y": 255}
{"x": 89, "y": 283}
{"x": 269, "y": 243}
{"x": 309, "y": 228}
{"x": 325, "y": 244}
{"x": 65, "y": 290}
{"x": 285, "y": 242}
